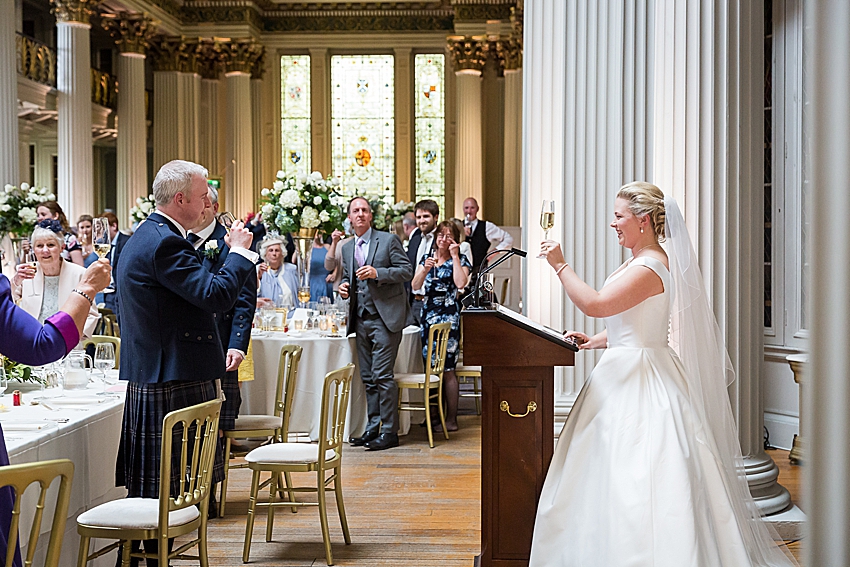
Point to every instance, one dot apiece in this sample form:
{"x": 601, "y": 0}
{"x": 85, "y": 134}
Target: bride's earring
{"x": 641, "y": 230}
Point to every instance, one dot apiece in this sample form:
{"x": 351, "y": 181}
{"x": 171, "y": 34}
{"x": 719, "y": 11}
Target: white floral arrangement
{"x": 385, "y": 213}
{"x": 143, "y": 207}
{"x": 17, "y": 207}
{"x": 302, "y": 201}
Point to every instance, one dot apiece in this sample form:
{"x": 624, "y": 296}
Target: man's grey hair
{"x": 174, "y": 177}
{"x": 409, "y": 219}
{"x": 213, "y": 193}
{"x": 40, "y": 233}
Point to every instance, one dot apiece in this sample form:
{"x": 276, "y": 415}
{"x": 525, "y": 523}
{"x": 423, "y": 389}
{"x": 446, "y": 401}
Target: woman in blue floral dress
{"x": 442, "y": 275}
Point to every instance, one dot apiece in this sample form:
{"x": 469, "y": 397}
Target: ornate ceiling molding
{"x": 468, "y": 53}
{"x": 79, "y": 11}
{"x": 132, "y": 32}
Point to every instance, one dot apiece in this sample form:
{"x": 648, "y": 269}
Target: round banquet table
{"x": 321, "y": 354}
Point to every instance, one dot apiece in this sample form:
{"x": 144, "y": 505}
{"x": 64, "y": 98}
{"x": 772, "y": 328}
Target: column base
{"x": 770, "y": 496}
{"x": 790, "y": 524}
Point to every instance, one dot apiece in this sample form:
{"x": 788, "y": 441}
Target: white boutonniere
{"x": 211, "y": 249}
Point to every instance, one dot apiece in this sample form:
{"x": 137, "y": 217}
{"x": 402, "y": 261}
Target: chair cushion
{"x": 252, "y": 422}
{"x": 414, "y": 378}
{"x": 282, "y": 453}
{"x": 464, "y": 368}
{"x": 134, "y": 514}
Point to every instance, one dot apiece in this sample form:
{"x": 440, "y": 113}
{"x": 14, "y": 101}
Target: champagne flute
{"x": 4, "y": 380}
{"x": 227, "y": 220}
{"x": 31, "y": 260}
{"x": 101, "y": 242}
{"x": 547, "y": 220}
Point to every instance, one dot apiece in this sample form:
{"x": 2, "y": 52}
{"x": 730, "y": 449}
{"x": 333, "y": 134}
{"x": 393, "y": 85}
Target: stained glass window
{"x": 363, "y": 124}
{"x": 430, "y": 128}
{"x": 295, "y": 114}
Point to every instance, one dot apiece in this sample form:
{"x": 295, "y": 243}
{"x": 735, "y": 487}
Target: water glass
{"x": 4, "y": 380}
{"x": 104, "y": 359}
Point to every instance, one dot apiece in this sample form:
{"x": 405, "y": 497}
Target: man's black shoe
{"x": 368, "y": 436}
{"x": 384, "y": 441}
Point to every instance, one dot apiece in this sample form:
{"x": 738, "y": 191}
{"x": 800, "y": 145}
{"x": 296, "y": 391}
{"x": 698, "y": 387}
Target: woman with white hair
{"x": 278, "y": 279}
{"x": 40, "y": 291}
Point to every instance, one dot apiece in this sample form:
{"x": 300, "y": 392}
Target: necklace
{"x": 634, "y": 254}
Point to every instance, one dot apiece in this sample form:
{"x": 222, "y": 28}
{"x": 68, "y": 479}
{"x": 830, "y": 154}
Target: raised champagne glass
{"x": 226, "y": 219}
{"x": 101, "y": 242}
{"x": 31, "y": 260}
{"x": 547, "y": 220}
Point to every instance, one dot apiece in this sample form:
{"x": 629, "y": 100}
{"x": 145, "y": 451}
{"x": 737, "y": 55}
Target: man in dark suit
{"x": 375, "y": 269}
{"x": 171, "y": 353}
{"x": 118, "y": 239}
{"x": 422, "y": 242}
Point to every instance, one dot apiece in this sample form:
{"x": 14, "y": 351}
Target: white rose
{"x": 301, "y": 179}
{"x": 290, "y": 198}
{"x": 267, "y": 209}
{"x": 147, "y": 207}
{"x": 150, "y": 197}
{"x": 211, "y": 245}
{"x": 44, "y": 191}
{"x": 336, "y": 181}
{"x": 8, "y": 188}
{"x": 34, "y": 197}
{"x": 278, "y": 185}
{"x": 265, "y": 192}
{"x": 51, "y": 197}
{"x": 294, "y": 212}
{"x": 317, "y": 200}
{"x": 5, "y": 208}
{"x": 280, "y": 174}
{"x": 324, "y": 216}
{"x": 315, "y": 177}
{"x": 27, "y": 214}
{"x": 25, "y": 186}
{"x": 139, "y": 200}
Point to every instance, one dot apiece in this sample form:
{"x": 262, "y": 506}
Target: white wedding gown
{"x": 630, "y": 483}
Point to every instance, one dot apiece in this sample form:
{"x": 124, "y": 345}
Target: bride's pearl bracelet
{"x": 561, "y": 269}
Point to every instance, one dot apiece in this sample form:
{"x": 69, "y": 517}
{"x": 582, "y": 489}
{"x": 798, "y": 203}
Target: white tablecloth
{"x": 320, "y": 356}
{"x": 89, "y": 438}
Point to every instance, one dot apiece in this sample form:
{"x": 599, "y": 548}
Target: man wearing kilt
{"x": 234, "y": 326}
{"x": 171, "y": 353}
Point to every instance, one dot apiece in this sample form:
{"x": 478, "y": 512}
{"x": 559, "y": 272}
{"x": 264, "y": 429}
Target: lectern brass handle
{"x": 505, "y": 407}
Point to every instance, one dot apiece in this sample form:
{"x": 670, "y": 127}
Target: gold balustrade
{"x": 104, "y": 89}
{"x": 36, "y": 61}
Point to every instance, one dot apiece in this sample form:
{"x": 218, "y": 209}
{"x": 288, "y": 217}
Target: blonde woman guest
{"x": 41, "y": 291}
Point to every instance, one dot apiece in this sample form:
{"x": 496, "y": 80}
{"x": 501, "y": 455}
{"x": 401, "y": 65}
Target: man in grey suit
{"x": 375, "y": 269}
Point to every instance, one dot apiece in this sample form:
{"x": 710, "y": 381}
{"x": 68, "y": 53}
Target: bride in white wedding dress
{"x": 648, "y": 471}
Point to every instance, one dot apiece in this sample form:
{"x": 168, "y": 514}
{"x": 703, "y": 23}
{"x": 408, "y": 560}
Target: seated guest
{"x": 84, "y": 238}
{"x": 40, "y": 291}
{"x": 71, "y": 250}
{"x": 440, "y": 278}
{"x": 278, "y": 279}
{"x": 321, "y": 280}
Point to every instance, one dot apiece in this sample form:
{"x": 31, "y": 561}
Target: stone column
{"x": 168, "y": 55}
{"x": 826, "y": 145}
{"x": 73, "y": 81}
{"x": 239, "y": 57}
{"x": 132, "y": 33}
{"x": 260, "y": 151}
{"x": 509, "y": 56}
{"x": 708, "y": 149}
{"x": 9, "y": 166}
{"x": 209, "y": 67}
{"x": 190, "y": 102}
{"x": 405, "y": 188}
{"x": 468, "y": 55}
{"x": 320, "y": 111}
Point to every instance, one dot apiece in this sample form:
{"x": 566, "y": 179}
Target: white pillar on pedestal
{"x": 166, "y": 107}
{"x": 708, "y": 134}
{"x": 9, "y": 166}
{"x": 132, "y": 151}
{"x": 257, "y": 140}
{"x": 826, "y": 135}
{"x": 209, "y": 133}
{"x": 513, "y": 147}
{"x": 239, "y": 182}
{"x": 189, "y": 115}
{"x": 73, "y": 81}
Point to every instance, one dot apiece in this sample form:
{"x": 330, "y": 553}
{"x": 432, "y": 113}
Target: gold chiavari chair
{"x": 275, "y": 426}
{"x": 167, "y": 516}
{"x": 468, "y": 375}
{"x": 19, "y": 477}
{"x": 321, "y": 458}
{"x": 431, "y": 381}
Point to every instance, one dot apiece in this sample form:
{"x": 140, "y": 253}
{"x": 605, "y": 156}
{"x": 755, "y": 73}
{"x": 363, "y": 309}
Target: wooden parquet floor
{"x": 406, "y": 507}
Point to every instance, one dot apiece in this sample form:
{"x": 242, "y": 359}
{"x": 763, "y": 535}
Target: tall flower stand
{"x": 303, "y": 239}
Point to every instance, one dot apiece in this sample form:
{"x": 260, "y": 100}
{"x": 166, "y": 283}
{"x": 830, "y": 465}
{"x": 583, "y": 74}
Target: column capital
{"x": 73, "y": 10}
{"x": 210, "y": 59}
{"x": 192, "y": 56}
{"x": 258, "y": 69}
{"x": 508, "y": 53}
{"x": 468, "y": 53}
{"x": 132, "y": 32}
{"x": 168, "y": 52}
{"x": 240, "y": 55}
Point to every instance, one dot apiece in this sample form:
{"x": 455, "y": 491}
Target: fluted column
{"x": 209, "y": 136}
{"x": 509, "y": 55}
{"x": 468, "y": 55}
{"x": 132, "y": 33}
{"x": 826, "y": 139}
{"x": 584, "y": 135}
{"x": 257, "y": 74}
{"x": 190, "y": 102}
{"x": 239, "y": 58}
{"x": 73, "y": 83}
{"x": 709, "y": 153}
{"x": 167, "y": 55}
{"x": 405, "y": 188}
{"x": 9, "y": 172}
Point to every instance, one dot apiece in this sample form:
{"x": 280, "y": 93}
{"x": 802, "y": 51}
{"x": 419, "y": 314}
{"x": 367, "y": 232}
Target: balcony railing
{"x": 104, "y": 89}
{"x": 36, "y": 61}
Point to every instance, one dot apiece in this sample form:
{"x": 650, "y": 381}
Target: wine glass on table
{"x": 547, "y": 220}
{"x": 303, "y": 296}
{"x": 102, "y": 242}
{"x": 104, "y": 359}
{"x": 267, "y": 314}
{"x": 31, "y": 261}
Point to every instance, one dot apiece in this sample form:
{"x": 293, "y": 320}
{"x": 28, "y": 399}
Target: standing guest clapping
{"x": 375, "y": 269}
{"x": 440, "y": 278}
{"x": 171, "y": 353}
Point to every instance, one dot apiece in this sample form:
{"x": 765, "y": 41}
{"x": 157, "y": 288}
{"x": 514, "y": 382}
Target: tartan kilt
{"x": 232, "y": 401}
{"x": 146, "y": 405}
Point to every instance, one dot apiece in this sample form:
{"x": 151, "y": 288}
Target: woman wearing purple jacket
{"x": 25, "y": 340}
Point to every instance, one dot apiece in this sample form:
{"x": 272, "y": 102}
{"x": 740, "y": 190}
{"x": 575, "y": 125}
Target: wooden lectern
{"x": 517, "y": 357}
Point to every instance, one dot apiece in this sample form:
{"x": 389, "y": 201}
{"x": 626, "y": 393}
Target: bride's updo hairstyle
{"x": 646, "y": 199}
